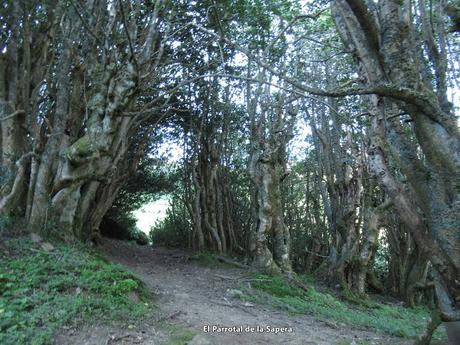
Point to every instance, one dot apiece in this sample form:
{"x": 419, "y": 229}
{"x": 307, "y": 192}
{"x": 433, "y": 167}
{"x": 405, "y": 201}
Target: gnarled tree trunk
{"x": 271, "y": 131}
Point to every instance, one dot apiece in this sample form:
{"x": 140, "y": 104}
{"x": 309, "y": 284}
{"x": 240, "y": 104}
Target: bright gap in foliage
{"x": 151, "y": 213}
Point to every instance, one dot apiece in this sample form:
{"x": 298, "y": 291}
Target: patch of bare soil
{"x": 197, "y": 298}
{"x": 102, "y": 334}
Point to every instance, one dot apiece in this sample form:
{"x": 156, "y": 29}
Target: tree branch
{"x": 131, "y": 49}
{"x": 420, "y": 100}
{"x": 291, "y": 23}
{"x": 366, "y": 21}
{"x": 13, "y": 114}
{"x": 85, "y": 24}
{"x": 9, "y": 201}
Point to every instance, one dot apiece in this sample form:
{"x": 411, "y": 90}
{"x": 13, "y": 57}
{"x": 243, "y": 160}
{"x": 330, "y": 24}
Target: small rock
{"x": 35, "y": 237}
{"x": 47, "y": 246}
{"x": 77, "y": 291}
{"x": 235, "y": 293}
{"x": 199, "y": 340}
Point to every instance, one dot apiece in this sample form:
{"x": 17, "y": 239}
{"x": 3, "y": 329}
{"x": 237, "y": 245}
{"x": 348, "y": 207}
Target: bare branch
{"x": 85, "y": 24}
{"x": 152, "y": 33}
{"x": 13, "y": 114}
{"x": 223, "y": 75}
{"x": 125, "y": 25}
{"x": 319, "y": 255}
{"x": 291, "y": 23}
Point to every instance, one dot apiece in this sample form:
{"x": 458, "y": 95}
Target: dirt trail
{"x": 193, "y": 296}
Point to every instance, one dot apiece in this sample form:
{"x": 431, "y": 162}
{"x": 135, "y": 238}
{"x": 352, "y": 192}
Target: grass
{"x": 208, "y": 259}
{"x": 42, "y": 291}
{"x": 389, "y": 319}
{"x": 177, "y": 335}
{"x": 356, "y": 342}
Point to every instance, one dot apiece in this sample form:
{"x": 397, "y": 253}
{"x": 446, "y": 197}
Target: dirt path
{"x": 193, "y": 297}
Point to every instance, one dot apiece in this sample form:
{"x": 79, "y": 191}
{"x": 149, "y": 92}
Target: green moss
{"x": 83, "y": 147}
{"x": 41, "y": 291}
{"x": 276, "y": 286}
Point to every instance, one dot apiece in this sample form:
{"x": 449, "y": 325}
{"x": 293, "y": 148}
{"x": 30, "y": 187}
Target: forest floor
{"x": 191, "y": 296}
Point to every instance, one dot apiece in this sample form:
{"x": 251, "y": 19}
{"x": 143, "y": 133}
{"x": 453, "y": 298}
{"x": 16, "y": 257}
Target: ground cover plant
{"x": 41, "y": 290}
{"x": 361, "y": 313}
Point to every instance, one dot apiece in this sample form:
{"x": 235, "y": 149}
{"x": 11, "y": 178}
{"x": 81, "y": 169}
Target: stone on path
{"x": 199, "y": 340}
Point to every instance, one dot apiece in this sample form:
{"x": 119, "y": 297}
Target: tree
{"x": 403, "y": 83}
{"x": 72, "y": 77}
{"x": 85, "y": 87}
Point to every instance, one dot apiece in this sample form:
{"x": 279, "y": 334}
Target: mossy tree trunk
{"x": 208, "y": 197}
{"x": 341, "y": 165}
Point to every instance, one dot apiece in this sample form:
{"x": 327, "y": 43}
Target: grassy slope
{"x": 364, "y": 313}
{"x": 41, "y": 291}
